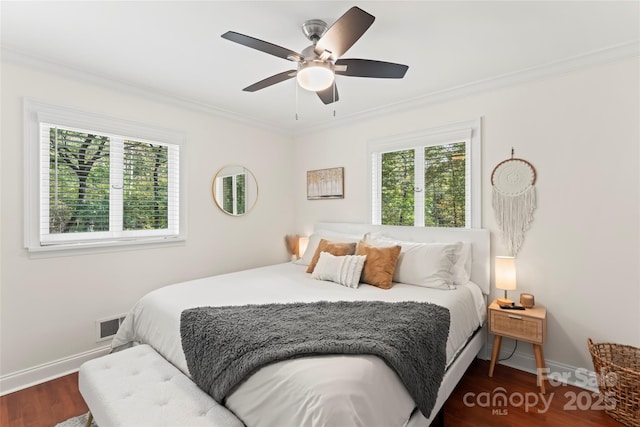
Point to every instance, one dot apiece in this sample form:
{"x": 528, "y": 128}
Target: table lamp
{"x": 303, "y": 242}
{"x": 505, "y": 273}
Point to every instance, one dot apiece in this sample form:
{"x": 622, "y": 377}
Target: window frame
{"x": 36, "y": 112}
{"x": 468, "y": 131}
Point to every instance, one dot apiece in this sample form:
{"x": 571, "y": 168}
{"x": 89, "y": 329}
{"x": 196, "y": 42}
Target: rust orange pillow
{"x": 334, "y": 248}
{"x": 379, "y": 264}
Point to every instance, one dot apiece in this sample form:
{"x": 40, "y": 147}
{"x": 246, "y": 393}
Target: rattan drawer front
{"x": 517, "y": 326}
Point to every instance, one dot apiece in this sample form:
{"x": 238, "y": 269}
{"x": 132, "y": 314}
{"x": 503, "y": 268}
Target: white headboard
{"x": 479, "y": 239}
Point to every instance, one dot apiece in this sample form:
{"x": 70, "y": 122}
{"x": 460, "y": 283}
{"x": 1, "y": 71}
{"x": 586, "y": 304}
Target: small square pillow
{"x": 379, "y": 265}
{"x": 343, "y": 270}
{"x": 334, "y": 248}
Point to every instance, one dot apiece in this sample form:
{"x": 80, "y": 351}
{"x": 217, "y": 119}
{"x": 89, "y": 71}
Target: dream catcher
{"x": 514, "y": 199}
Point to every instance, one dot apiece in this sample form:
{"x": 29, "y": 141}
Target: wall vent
{"x": 106, "y": 328}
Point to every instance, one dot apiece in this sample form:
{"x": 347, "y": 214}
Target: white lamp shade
{"x": 505, "y": 272}
{"x": 315, "y": 76}
{"x": 303, "y": 242}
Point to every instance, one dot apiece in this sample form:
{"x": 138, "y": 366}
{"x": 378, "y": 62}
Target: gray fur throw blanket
{"x": 223, "y": 346}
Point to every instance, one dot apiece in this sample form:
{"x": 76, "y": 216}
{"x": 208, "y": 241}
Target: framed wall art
{"x": 325, "y": 184}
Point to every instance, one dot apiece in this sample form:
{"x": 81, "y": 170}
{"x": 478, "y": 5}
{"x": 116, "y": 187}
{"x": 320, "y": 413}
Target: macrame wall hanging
{"x": 514, "y": 199}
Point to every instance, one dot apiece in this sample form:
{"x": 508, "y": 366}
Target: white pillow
{"x": 462, "y": 269}
{"x": 430, "y": 265}
{"x": 344, "y": 270}
{"x": 314, "y": 241}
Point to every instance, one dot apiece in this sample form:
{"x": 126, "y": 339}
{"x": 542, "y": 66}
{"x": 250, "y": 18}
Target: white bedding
{"x": 279, "y": 394}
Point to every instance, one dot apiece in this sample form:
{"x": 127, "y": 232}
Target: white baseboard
{"x": 19, "y": 380}
{"x": 559, "y": 373}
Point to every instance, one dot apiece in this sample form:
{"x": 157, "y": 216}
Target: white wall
{"x": 48, "y": 306}
{"x": 581, "y": 257}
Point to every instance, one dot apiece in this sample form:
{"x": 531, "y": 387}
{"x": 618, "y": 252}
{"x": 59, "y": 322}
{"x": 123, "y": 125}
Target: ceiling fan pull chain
{"x": 334, "y": 99}
{"x": 296, "y": 85}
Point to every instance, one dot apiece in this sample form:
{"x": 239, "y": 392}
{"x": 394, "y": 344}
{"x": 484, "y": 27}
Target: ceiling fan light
{"x": 315, "y": 76}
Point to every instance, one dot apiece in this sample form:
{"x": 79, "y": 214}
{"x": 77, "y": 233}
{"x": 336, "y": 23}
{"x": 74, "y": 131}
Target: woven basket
{"x": 618, "y": 372}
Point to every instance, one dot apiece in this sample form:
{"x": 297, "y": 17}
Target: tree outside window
{"x": 444, "y": 185}
{"x": 397, "y": 192}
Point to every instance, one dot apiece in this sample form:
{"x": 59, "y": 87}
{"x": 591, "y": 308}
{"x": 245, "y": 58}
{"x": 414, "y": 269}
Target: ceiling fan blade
{"x": 269, "y": 81}
{"x": 371, "y": 68}
{"x": 263, "y": 46}
{"x": 327, "y": 96}
{"x": 344, "y": 33}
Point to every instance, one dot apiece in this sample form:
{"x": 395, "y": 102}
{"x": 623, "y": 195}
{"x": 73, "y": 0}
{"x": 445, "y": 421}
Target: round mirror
{"x": 235, "y": 190}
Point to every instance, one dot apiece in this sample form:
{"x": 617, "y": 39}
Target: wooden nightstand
{"x": 528, "y": 325}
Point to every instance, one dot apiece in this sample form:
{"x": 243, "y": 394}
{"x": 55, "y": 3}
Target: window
{"x": 95, "y": 181}
{"x": 233, "y": 191}
{"x": 430, "y": 178}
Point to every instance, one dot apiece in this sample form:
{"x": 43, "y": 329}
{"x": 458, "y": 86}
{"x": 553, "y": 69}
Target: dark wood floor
{"x": 43, "y": 405}
{"x": 470, "y": 405}
{"x": 526, "y": 408}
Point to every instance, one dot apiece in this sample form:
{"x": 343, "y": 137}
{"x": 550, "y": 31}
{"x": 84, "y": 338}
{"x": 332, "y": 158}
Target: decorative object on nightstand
{"x": 505, "y": 274}
{"x": 527, "y": 300}
{"x": 529, "y": 325}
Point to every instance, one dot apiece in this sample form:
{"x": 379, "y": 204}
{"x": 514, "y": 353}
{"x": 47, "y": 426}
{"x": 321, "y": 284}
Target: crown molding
{"x": 29, "y": 61}
{"x": 602, "y": 56}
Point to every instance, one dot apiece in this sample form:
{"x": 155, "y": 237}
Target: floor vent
{"x": 108, "y": 327}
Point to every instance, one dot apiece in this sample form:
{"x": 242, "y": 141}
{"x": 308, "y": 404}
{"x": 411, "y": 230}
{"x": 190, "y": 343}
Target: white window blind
{"x": 99, "y": 186}
{"x": 95, "y": 186}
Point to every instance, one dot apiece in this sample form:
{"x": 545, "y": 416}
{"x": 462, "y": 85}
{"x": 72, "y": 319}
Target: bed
{"x": 323, "y": 389}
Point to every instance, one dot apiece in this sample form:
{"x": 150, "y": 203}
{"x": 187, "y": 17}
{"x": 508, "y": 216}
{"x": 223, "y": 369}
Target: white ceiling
{"x": 174, "y": 49}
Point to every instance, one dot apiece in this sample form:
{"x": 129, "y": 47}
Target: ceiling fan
{"x": 319, "y": 63}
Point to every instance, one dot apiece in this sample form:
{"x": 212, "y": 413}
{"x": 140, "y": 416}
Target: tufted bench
{"x": 138, "y": 387}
